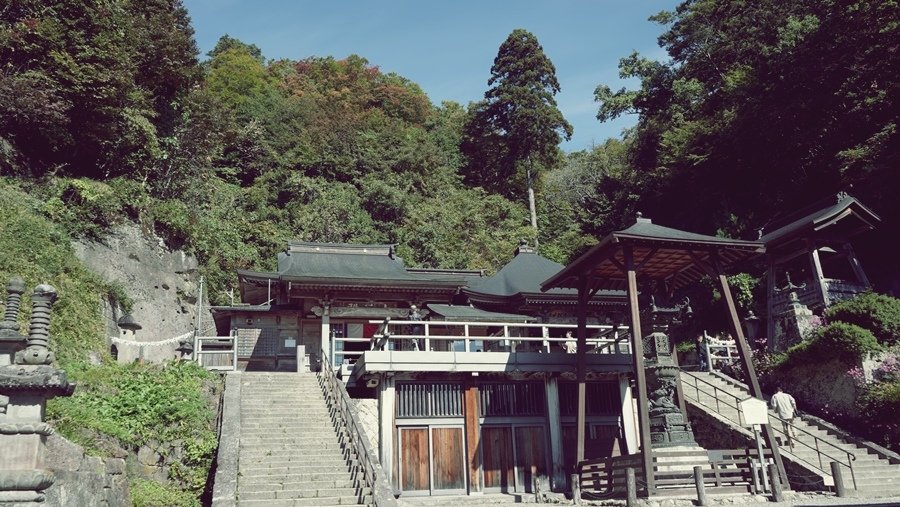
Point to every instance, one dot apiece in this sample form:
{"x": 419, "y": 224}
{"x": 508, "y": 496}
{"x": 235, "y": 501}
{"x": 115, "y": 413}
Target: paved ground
{"x": 791, "y": 499}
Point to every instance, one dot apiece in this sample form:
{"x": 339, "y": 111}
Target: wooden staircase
{"x": 865, "y": 470}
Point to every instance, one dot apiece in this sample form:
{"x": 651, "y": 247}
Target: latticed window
{"x": 421, "y": 399}
{"x": 601, "y": 398}
{"x": 516, "y": 399}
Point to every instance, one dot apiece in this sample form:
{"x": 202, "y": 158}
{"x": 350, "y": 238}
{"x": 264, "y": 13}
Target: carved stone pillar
{"x": 25, "y": 387}
{"x": 792, "y": 325}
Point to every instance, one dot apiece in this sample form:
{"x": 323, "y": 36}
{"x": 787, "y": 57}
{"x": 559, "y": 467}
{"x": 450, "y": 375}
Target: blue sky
{"x": 448, "y": 47}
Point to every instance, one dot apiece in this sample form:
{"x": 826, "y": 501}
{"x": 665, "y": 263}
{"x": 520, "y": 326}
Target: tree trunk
{"x": 531, "y": 207}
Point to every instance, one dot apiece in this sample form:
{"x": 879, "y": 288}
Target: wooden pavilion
{"x": 672, "y": 259}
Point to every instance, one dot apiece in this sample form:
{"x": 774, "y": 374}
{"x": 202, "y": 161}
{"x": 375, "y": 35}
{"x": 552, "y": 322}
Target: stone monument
{"x": 11, "y": 340}
{"x": 25, "y": 387}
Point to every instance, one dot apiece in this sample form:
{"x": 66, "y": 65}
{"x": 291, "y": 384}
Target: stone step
{"x": 292, "y": 468}
{"x": 306, "y": 502}
{"x": 280, "y": 484}
{"x": 299, "y": 456}
{"x": 303, "y": 493}
{"x": 291, "y": 443}
{"x": 288, "y": 474}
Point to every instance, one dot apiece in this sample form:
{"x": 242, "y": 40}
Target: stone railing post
{"x": 25, "y": 387}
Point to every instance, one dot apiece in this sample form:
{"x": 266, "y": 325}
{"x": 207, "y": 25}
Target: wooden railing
{"x": 216, "y": 352}
{"x": 605, "y": 477}
{"x": 723, "y": 398}
{"x": 471, "y": 336}
{"x": 346, "y": 418}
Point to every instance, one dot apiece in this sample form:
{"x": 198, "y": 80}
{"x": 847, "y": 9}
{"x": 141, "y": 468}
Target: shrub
{"x": 146, "y": 493}
{"x": 875, "y": 312}
{"x": 837, "y": 340}
{"x": 879, "y": 408}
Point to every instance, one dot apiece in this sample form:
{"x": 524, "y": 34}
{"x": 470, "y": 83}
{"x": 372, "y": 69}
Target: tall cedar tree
{"x": 515, "y": 131}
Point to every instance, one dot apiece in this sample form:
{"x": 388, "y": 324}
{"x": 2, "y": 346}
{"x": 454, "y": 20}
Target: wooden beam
{"x": 581, "y": 364}
{"x": 557, "y": 474}
{"x": 617, "y": 264}
{"x": 709, "y": 270}
{"x": 637, "y": 359}
{"x": 646, "y": 258}
{"x": 818, "y": 276}
{"x": 473, "y": 436}
{"x": 770, "y": 304}
{"x": 746, "y": 360}
{"x": 857, "y": 267}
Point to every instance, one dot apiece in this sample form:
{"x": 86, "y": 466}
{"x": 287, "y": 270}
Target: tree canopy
{"x": 515, "y": 131}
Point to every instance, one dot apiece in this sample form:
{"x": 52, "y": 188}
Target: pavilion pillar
{"x": 557, "y": 474}
{"x": 326, "y": 332}
{"x": 473, "y": 435}
{"x": 770, "y": 304}
{"x": 857, "y": 267}
{"x": 581, "y": 366}
{"x": 818, "y": 275}
{"x": 637, "y": 359}
{"x": 746, "y": 361}
{"x": 387, "y": 395}
{"x": 629, "y": 425}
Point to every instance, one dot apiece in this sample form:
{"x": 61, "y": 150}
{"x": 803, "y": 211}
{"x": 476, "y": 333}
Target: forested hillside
{"x": 109, "y": 114}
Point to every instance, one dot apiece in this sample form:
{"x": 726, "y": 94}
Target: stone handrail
{"x": 342, "y": 406}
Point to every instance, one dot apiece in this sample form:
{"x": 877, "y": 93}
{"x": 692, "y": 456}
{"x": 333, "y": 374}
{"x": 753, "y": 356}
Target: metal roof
{"x": 662, "y": 253}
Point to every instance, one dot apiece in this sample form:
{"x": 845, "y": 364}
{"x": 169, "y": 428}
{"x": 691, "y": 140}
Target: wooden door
{"x": 497, "y": 452}
{"x": 448, "y": 458}
{"x": 531, "y": 457}
{"x": 414, "y": 466}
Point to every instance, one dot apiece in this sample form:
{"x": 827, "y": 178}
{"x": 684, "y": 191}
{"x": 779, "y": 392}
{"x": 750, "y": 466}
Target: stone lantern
{"x": 25, "y": 387}
{"x": 128, "y": 325}
{"x": 11, "y": 340}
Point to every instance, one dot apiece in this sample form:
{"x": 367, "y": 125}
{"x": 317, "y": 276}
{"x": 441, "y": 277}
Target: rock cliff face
{"x": 82, "y": 479}
{"x": 162, "y": 283}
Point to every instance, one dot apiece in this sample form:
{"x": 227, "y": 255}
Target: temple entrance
{"x": 513, "y": 457}
{"x": 432, "y": 460}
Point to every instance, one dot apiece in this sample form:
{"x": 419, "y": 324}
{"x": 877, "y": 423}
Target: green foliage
{"x": 39, "y": 251}
{"x": 879, "y": 407}
{"x": 761, "y": 105}
{"x": 838, "y": 340}
{"x": 90, "y": 86}
{"x": 143, "y": 405}
{"x": 878, "y": 313}
{"x": 146, "y": 493}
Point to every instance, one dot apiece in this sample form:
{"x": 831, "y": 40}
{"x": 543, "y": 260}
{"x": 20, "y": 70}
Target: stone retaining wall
{"x": 82, "y": 479}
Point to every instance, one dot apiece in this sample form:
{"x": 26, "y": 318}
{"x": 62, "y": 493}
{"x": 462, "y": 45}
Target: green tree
{"x": 515, "y": 131}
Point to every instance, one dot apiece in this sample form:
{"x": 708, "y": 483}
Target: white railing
{"x": 720, "y": 352}
{"x": 464, "y": 336}
{"x": 221, "y": 354}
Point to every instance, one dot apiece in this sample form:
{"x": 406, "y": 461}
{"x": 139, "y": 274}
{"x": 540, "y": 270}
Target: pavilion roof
{"x": 672, "y": 256}
{"x": 842, "y": 216}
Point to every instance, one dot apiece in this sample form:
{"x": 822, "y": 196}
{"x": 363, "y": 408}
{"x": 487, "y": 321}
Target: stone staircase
{"x": 290, "y": 452}
{"x": 817, "y": 445}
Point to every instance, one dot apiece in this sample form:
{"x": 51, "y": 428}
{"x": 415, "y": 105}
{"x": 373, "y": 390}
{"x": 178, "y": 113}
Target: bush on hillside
{"x": 837, "y": 340}
{"x": 879, "y": 408}
{"x": 876, "y": 312}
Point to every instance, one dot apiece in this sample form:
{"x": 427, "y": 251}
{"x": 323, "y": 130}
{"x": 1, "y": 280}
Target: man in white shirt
{"x": 786, "y": 407}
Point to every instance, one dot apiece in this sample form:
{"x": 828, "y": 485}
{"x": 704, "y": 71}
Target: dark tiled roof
{"x": 523, "y": 274}
{"x": 660, "y": 252}
{"x": 458, "y": 312}
{"x": 819, "y": 216}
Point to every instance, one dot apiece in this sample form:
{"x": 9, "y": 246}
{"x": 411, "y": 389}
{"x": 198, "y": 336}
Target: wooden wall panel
{"x": 414, "y": 458}
{"x": 531, "y": 456}
{"x": 449, "y": 458}
{"x": 497, "y": 450}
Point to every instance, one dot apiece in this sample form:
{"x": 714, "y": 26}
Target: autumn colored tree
{"x": 514, "y": 133}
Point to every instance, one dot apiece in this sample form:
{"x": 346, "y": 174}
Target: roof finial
{"x": 639, "y": 217}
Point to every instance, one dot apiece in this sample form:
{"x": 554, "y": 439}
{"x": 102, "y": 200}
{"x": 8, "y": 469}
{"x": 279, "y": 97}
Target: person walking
{"x": 702, "y": 357}
{"x": 786, "y": 407}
